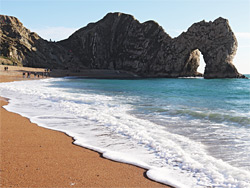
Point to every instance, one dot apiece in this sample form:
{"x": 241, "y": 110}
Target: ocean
{"x": 187, "y": 132}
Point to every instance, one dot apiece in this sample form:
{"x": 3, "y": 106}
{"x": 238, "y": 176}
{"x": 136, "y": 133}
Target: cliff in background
{"x": 26, "y": 48}
{"x": 120, "y": 42}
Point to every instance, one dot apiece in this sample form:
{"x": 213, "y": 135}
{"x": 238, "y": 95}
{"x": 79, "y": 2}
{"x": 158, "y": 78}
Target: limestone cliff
{"x": 120, "y": 42}
{"x": 26, "y": 48}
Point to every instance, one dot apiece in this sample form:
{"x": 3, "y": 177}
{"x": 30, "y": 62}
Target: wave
{"x": 231, "y": 118}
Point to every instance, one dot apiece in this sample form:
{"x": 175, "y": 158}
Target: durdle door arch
{"x": 218, "y": 45}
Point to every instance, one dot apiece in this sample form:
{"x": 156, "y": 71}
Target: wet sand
{"x": 32, "y": 156}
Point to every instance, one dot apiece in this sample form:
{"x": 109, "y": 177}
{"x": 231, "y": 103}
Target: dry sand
{"x": 33, "y": 156}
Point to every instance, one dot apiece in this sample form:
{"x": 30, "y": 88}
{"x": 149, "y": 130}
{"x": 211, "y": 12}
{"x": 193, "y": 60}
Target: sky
{"x": 58, "y": 19}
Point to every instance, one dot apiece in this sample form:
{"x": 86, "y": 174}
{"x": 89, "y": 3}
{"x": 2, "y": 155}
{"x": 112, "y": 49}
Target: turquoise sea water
{"x": 193, "y": 127}
{"x": 215, "y": 102}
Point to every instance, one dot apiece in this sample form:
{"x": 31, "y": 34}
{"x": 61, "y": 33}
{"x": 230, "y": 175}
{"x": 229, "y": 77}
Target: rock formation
{"x": 120, "y": 42}
{"x": 26, "y": 48}
{"x": 218, "y": 44}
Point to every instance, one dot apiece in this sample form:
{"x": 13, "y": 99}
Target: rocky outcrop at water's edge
{"x": 120, "y": 42}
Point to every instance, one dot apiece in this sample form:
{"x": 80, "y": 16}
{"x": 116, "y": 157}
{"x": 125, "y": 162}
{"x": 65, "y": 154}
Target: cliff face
{"x": 120, "y": 42}
{"x": 27, "y": 48}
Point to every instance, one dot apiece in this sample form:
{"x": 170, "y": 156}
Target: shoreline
{"x": 27, "y": 159}
{"x": 82, "y": 73}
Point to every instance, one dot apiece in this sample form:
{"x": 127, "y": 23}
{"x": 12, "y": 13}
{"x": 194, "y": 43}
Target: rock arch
{"x": 218, "y": 45}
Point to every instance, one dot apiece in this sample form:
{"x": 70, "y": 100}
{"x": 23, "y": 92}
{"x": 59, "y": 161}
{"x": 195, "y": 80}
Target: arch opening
{"x": 195, "y": 64}
{"x": 201, "y": 68}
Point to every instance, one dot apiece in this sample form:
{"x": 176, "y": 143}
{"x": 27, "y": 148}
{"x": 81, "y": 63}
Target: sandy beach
{"x": 32, "y": 156}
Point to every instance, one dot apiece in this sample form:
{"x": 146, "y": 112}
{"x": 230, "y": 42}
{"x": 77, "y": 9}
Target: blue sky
{"x": 57, "y": 19}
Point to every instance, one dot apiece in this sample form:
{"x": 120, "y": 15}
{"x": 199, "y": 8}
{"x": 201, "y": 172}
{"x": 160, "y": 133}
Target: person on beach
{"x": 34, "y": 74}
{"x": 23, "y": 74}
{"x": 28, "y": 75}
{"x": 48, "y": 72}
